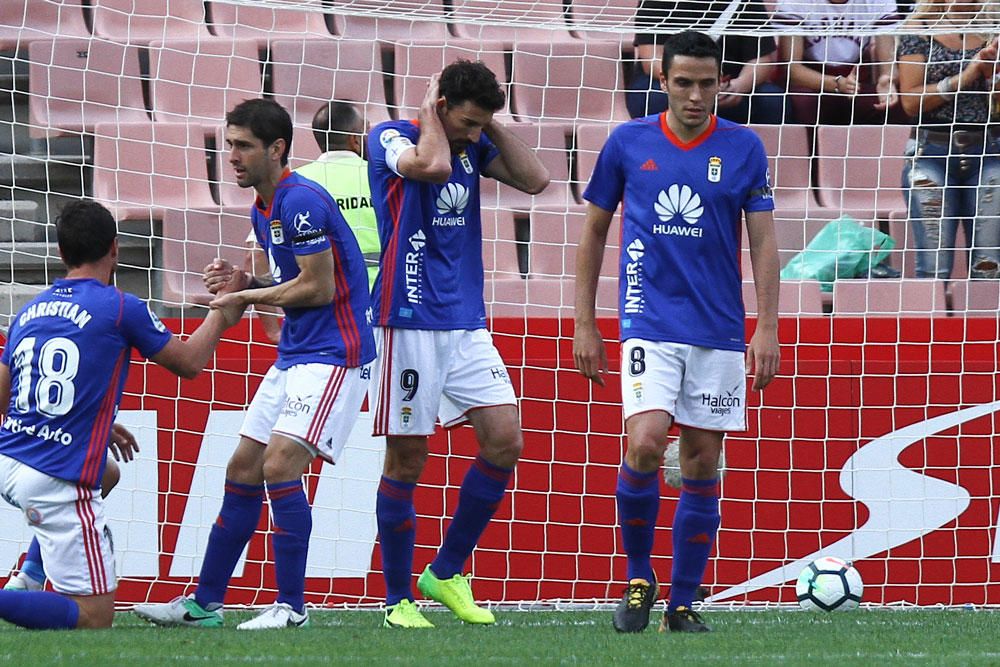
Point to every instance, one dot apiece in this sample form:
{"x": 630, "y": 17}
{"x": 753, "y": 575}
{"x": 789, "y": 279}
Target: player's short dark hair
{"x": 333, "y": 122}
{"x": 466, "y": 81}
{"x": 85, "y": 231}
{"x": 692, "y": 44}
{"x": 266, "y": 119}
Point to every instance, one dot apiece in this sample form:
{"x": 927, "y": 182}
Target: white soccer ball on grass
{"x": 829, "y": 584}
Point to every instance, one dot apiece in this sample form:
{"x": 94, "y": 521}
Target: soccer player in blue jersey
{"x": 309, "y": 400}
{"x": 436, "y": 358}
{"x": 685, "y": 179}
{"x": 61, "y": 378}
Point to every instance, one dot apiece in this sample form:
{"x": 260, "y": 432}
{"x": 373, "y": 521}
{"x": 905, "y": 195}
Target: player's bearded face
{"x": 247, "y": 156}
{"x": 463, "y": 124}
{"x": 692, "y": 85}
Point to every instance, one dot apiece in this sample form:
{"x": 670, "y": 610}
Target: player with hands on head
{"x": 436, "y": 358}
{"x": 685, "y": 179}
{"x": 308, "y": 401}
{"x": 61, "y": 378}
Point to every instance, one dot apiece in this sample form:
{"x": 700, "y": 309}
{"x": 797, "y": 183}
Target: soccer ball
{"x": 829, "y": 584}
{"x": 672, "y": 463}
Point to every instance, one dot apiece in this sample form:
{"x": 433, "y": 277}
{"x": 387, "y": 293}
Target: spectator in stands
{"x": 747, "y": 93}
{"x": 946, "y": 84}
{"x": 828, "y": 81}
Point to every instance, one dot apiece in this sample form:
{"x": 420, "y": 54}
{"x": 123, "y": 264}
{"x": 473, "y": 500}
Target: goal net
{"x": 877, "y": 442}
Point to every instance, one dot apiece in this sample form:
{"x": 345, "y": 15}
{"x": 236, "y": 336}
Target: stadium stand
{"x": 143, "y": 22}
{"x": 266, "y": 24}
{"x": 308, "y": 73}
{"x": 797, "y": 297}
{"x": 568, "y": 82}
{"x": 384, "y": 29}
{"x": 500, "y": 245}
{"x": 890, "y": 298}
{"x": 548, "y": 13}
{"x": 859, "y": 169}
{"x": 75, "y": 83}
{"x": 23, "y": 21}
{"x": 555, "y": 235}
{"x": 141, "y": 170}
{"x": 975, "y": 298}
{"x": 609, "y": 12}
{"x": 201, "y": 80}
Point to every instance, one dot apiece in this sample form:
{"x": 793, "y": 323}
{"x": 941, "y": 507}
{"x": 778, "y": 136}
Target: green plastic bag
{"x": 844, "y": 248}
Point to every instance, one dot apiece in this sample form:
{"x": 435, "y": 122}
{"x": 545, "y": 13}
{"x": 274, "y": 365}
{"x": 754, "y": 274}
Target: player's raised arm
{"x": 517, "y": 165}
{"x": 762, "y": 353}
{"x": 429, "y": 159}
{"x": 589, "y": 353}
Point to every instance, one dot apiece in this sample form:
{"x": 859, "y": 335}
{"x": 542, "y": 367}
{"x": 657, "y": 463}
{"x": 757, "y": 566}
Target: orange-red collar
{"x": 686, "y": 146}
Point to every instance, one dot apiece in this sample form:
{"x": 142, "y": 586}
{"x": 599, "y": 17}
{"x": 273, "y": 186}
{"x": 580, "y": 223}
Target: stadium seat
{"x": 975, "y": 298}
{"x": 135, "y": 22}
{"x": 76, "y": 83}
{"x": 306, "y": 74}
{"x": 590, "y": 139}
{"x": 797, "y": 297}
{"x": 549, "y": 142}
{"x": 902, "y": 298}
{"x": 612, "y": 14}
{"x": 568, "y": 82}
{"x": 141, "y": 170}
{"x": 415, "y": 62}
{"x": 192, "y": 238}
{"x": 555, "y": 236}
{"x": 349, "y": 25}
{"x": 859, "y": 169}
{"x": 266, "y": 24}
{"x": 500, "y": 247}
{"x": 789, "y": 157}
{"x": 472, "y": 21}
{"x": 544, "y": 297}
{"x": 23, "y": 21}
{"x": 202, "y": 80}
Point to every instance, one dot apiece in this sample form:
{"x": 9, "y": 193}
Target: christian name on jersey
{"x": 65, "y": 309}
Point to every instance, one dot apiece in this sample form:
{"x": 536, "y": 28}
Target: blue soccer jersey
{"x": 303, "y": 219}
{"x": 431, "y": 273}
{"x": 682, "y": 206}
{"x": 68, "y": 353}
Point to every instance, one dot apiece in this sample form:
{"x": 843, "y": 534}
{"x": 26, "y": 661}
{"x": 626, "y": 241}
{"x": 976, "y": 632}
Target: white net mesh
{"x": 877, "y": 443}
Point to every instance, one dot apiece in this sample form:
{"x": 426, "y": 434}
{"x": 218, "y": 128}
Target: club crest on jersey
{"x": 714, "y": 169}
{"x": 277, "y": 233}
{"x": 463, "y": 157}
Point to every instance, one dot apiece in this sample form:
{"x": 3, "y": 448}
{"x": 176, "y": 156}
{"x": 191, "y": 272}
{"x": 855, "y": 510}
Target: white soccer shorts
{"x": 314, "y": 404}
{"x": 425, "y": 375}
{"x": 69, "y": 522}
{"x": 701, "y": 387}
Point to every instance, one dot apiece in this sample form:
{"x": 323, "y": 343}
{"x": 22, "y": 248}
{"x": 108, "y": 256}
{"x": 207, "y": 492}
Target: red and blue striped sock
{"x": 292, "y": 517}
{"x": 696, "y": 522}
{"x": 397, "y": 524}
{"x": 234, "y": 527}
{"x": 39, "y": 610}
{"x": 482, "y": 490}
{"x": 638, "y": 498}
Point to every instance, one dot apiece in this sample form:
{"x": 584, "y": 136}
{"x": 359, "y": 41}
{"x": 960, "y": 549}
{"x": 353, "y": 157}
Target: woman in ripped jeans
{"x": 945, "y": 83}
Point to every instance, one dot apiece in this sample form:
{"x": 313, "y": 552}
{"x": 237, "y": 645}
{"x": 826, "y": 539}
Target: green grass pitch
{"x": 862, "y": 637}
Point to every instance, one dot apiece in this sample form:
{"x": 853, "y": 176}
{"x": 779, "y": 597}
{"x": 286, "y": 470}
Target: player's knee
{"x": 405, "y": 462}
{"x": 245, "y": 465}
{"x": 503, "y": 447}
{"x": 95, "y": 613}
{"x": 645, "y": 451}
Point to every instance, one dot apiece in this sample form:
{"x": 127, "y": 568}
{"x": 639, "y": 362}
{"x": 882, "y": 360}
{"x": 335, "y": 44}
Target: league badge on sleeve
{"x": 714, "y": 169}
{"x": 277, "y": 233}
